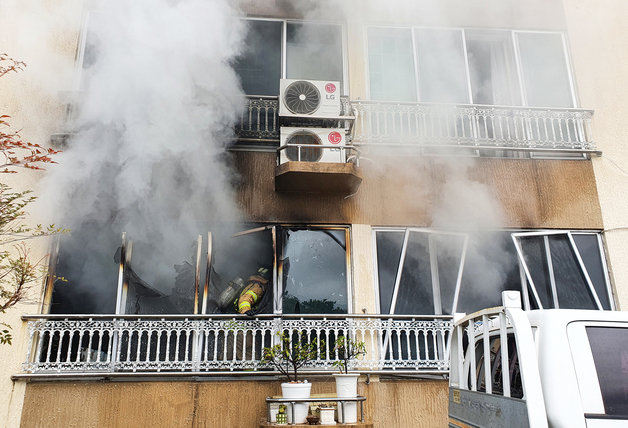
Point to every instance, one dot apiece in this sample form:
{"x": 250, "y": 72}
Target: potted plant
{"x": 288, "y": 356}
{"x": 347, "y": 351}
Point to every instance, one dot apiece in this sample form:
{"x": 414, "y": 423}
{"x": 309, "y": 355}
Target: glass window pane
{"x": 591, "y": 253}
{"x": 492, "y": 68}
{"x": 391, "y": 64}
{"x": 535, "y": 256}
{"x": 448, "y": 253}
{"x": 314, "y": 52}
{"x": 314, "y": 271}
{"x": 259, "y": 66}
{"x": 415, "y": 295}
{"x": 544, "y": 69}
{"x": 441, "y": 66}
{"x": 86, "y": 261}
{"x": 571, "y": 287}
{"x": 388, "y": 253}
{"x": 490, "y": 267}
{"x": 608, "y": 345}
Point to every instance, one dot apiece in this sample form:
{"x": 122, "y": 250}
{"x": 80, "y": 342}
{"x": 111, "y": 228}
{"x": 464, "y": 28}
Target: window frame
{"x": 284, "y": 44}
{"x": 437, "y": 300}
{"x": 523, "y": 276}
{"x": 513, "y": 40}
{"x": 278, "y": 287}
{"x": 529, "y": 281}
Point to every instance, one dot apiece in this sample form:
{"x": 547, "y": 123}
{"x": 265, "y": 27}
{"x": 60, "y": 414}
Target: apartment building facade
{"x": 459, "y": 157}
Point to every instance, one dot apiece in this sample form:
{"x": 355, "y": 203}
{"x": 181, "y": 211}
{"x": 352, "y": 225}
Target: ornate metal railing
{"x": 259, "y": 121}
{"x": 153, "y": 344}
{"x": 423, "y": 124}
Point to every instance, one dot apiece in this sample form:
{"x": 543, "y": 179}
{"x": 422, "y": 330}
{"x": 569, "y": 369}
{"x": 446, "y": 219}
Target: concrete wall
{"x": 598, "y": 39}
{"x": 238, "y": 403}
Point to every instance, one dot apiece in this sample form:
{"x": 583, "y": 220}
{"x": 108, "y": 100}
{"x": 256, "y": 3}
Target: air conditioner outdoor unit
{"x": 309, "y": 98}
{"x": 329, "y": 140}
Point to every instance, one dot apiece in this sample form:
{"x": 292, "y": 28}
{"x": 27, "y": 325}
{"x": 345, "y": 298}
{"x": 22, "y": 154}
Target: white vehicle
{"x": 560, "y": 368}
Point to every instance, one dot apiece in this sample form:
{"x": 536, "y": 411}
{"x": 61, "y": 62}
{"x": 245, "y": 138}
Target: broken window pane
{"x": 388, "y": 255}
{"x": 314, "y": 51}
{"x": 314, "y": 264}
{"x": 259, "y": 66}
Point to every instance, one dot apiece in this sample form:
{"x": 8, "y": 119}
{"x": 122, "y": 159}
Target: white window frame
{"x": 516, "y": 52}
{"x": 530, "y": 282}
{"x": 437, "y": 303}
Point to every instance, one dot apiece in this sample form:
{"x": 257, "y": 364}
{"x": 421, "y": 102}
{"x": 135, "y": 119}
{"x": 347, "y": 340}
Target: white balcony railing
{"x": 160, "y": 344}
{"x": 427, "y": 125}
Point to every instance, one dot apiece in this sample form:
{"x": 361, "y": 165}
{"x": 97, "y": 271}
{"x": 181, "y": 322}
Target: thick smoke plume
{"x": 158, "y": 102}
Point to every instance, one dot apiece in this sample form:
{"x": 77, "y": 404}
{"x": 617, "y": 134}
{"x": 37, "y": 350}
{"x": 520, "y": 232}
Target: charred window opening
{"x": 314, "y": 270}
{"x": 137, "y": 278}
{"x": 311, "y": 51}
{"x": 428, "y": 272}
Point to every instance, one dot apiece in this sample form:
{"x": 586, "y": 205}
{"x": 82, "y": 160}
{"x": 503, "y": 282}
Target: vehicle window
{"x": 610, "y": 354}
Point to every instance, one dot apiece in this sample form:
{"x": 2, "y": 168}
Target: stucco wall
{"x": 238, "y": 403}
{"x": 598, "y": 39}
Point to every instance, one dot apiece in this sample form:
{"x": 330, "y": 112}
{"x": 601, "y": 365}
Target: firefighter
{"x": 252, "y": 294}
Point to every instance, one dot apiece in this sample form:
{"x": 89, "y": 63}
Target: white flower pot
{"x": 297, "y": 390}
{"x": 347, "y": 387}
{"x": 327, "y": 416}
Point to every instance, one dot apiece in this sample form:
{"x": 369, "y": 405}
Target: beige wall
{"x": 32, "y": 99}
{"x": 598, "y": 39}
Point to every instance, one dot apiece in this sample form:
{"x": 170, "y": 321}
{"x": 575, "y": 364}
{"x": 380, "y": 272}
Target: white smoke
{"x": 158, "y": 105}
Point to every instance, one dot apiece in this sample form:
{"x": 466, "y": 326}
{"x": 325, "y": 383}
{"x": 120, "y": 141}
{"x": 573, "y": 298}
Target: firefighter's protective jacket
{"x": 253, "y": 292}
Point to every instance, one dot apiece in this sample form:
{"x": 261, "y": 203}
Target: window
{"x": 419, "y": 271}
{"x": 431, "y": 272}
{"x": 494, "y": 67}
{"x": 284, "y": 49}
{"x": 608, "y": 345}
{"x": 563, "y": 270}
{"x": 313, "y": 268}
{"x": 308, "y": 272}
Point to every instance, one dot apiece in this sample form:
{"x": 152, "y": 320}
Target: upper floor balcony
{"x": 478, "y": 129}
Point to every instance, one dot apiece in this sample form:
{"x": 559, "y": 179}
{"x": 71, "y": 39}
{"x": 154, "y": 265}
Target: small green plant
{"x": 289, "y": 355}
{"x": 347, "y": 350}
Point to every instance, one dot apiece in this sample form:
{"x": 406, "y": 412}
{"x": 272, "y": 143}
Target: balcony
{"x": 477, "y": 127}
{"x": 483, "y": 129}
{"x": 160, "y": 345}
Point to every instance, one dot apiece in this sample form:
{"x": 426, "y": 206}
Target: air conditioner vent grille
{"x": 308, "y": 154}
{"x": 302, "y": 97}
